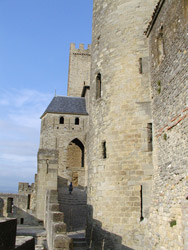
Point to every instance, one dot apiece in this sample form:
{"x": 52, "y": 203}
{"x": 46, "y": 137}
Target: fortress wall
{"x": 79, "y": 69}
{"x": 169, "y": 82}
{"x": 119, "y": 186}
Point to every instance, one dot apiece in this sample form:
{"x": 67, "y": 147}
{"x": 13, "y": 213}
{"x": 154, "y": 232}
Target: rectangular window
{"x": 98, "y": 86}
{"x": 9, "y": 205}
{"x": 141, "y": 203}
{"x": 150, "y": 137}
{"x": 28, "y": 201}
{"x": 160, "y": 46}
{"x": 104, "y": 149}
{"x": 140, "y": 66}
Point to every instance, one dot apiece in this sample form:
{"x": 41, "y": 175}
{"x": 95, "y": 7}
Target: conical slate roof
{"x": 67, "y": 105}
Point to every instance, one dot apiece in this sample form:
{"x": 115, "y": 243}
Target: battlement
{"x": 79, "y": 69}
{"x": 25, "y": 187}
{"x": 81, "y": 50}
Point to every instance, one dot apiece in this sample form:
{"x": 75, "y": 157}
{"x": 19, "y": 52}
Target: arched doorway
{"x": 75, "y": 160}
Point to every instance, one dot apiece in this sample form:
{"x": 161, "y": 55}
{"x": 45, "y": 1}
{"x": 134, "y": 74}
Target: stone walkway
{"x": 79, "y": 241}
{"x": 38, "y": 232}
{"x": 74, "y": 207}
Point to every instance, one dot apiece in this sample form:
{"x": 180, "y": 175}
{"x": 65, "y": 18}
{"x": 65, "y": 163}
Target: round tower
{"x": 120, "y": 141}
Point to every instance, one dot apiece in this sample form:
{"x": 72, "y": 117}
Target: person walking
{"x": 70, "y": 188}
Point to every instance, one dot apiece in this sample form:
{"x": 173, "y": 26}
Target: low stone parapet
{"x": 54, "y": 222}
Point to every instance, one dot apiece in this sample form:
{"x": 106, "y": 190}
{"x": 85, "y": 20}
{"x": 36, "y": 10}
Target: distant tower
{"x": 79, "y": 69}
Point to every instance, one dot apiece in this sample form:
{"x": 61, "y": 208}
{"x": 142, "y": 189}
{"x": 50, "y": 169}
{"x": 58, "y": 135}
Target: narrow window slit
{"x": 141, "y": 203}
{"x": 150, "y": 137}
{"x": 104, "y": 149}
{"x": 77, "y": 121}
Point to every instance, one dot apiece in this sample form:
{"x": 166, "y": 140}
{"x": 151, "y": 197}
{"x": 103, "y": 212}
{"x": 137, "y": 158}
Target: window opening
{"x": 28, "y": 201}
{"x": 150, "y": 137}
{"x": 98, "y": 86}
{"x": 22, "y": 221}
{"x": 47, "y": 166}
{"x": 77, "y": 121}
{"x": 140, "y": 66}
{"x": 141, "y": 203}
{"x": 160, "y": 46}
{"x": 61, "y": 120}
{"x": 104, "y": 149}
{"x": 9, "y": 205}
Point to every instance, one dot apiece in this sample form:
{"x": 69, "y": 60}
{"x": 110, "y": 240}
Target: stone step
{"x": 79, "y": 244}
{"x": 39, "y": 247}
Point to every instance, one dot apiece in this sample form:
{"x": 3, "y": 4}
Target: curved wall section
{"x": 119, "y": 184}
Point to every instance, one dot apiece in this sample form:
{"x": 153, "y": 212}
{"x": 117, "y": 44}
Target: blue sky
{"x": 35, "y": 37}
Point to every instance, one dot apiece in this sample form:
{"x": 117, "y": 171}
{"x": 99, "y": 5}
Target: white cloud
{"x": 20, "y": 111}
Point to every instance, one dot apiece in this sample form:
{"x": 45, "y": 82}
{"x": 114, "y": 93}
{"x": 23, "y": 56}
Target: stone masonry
{"x": 121, "y": 134}
{"x": 120, "y": 182}
{"x": 79, "y": 69}
{"x": 168, "y": 39}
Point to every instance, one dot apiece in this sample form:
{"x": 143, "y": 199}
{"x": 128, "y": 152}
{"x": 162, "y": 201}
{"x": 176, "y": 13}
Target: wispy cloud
{"x": 20, "y": 111}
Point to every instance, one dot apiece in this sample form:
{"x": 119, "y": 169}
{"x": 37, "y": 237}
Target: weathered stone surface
{"x": 62, "y": 242}
{"x": 169, "y": 87}
{"x": 120, "y": 118}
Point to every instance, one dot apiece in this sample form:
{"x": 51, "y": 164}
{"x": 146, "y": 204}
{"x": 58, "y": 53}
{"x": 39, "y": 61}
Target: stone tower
{"x": 120, "y": 141}
{"x": 79, "y": 69}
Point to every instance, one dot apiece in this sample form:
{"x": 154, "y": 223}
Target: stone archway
{"x": 75, "y": 161}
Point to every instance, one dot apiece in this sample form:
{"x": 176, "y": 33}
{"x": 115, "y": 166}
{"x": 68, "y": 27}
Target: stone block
{"x": 62, "y": 242}
{"x": 59, "y": 227}
{"x": 54, "y": 207}
{"x": 57, "y": 216}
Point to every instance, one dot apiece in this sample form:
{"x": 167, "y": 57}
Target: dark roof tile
{"x": 67, "y": 105}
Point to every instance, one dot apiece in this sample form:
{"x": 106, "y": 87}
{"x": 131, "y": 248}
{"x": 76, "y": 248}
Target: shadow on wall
{"x": 1, "y": 207}
{"x": 24, "y": 217}
{"x": 99, "y": 238}
{"x": 63, "y": 183}
{"x": 73, "y": 206}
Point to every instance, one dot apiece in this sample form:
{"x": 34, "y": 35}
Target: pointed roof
{"x": 67, "y": 105}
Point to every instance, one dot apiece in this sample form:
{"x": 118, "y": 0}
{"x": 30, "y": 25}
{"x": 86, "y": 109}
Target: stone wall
{"x": 7, "y": 233}
{"x": 119, "y": 184}
{"x": 30, "y": 191}
{"x": 19, "y": 209}
{"x": 79, "y": 69}
{"x": 169, "y": 82}
{"x": 8, "y": 239}
{"x": 55, "y": 136}
{"x": 54, "y": 224}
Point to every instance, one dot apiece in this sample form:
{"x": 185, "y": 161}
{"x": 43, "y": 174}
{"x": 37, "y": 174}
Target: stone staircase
{"x": 74, "y": 207}
{"x": 79, "y": 242}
